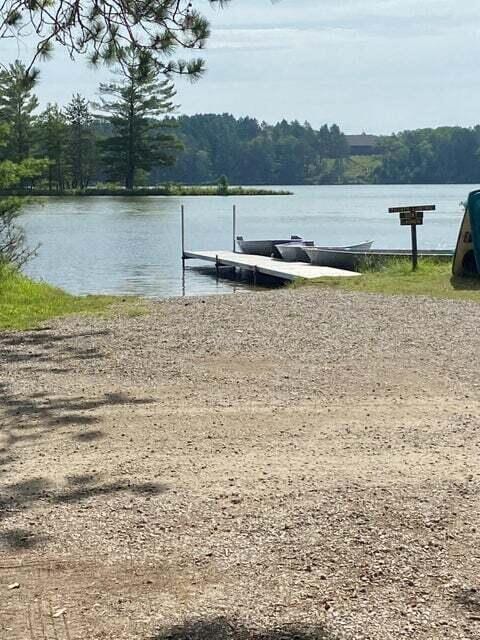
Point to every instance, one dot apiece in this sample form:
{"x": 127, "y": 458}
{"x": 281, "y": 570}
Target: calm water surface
{"x": 132, "y": 245}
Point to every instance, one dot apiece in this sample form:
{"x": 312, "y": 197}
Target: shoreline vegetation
{"x": 433, "y": 279}
{"x": 167, "y": 190}
{"x": 25, "y": 303}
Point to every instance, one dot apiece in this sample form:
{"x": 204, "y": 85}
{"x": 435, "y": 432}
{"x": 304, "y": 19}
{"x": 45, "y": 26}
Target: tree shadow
{"x": 469, "y": 598}
{"x": 59, "y": 411}
{"x": 18, "y": 539}
{"x": 27, "y": 420}
{"x": 227, "y": 629}
{"x": 42, "y": 336}
{"x": 43, "y": 346}
{"x": 22, "y": 495}
{"x": 89, "y": 436}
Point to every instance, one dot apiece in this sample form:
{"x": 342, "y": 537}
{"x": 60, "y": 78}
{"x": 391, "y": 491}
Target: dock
{"x": 268, "y": 266}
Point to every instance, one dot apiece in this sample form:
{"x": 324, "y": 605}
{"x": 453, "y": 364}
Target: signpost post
{"x": 412, "y": 216}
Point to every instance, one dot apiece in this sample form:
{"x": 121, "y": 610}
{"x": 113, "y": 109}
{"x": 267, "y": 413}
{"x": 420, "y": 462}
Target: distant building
{"x": 363, "y": 145}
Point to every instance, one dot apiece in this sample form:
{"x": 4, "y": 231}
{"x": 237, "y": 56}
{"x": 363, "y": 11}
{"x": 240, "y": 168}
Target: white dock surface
{"x": 269, "y": 266}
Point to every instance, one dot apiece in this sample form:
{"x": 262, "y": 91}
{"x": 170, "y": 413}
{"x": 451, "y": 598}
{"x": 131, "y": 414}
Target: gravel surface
{"x": 289, "y": 464}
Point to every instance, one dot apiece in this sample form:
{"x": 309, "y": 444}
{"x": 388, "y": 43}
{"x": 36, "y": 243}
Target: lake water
{"x": 133, "y": 245}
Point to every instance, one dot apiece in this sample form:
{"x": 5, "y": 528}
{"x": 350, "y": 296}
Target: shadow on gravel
{"x": 469, "y": 598}
{"x": 44, "y": 338}
{"x": 18, "y": 539}
{"x": 53, "y": 412}
{"x": 224, "y": 629}
{"x": 24, "y": 421}
{"x": 46, "y": 354}
{"x": 89, "y": 436}
{"x": 19, "y": 496}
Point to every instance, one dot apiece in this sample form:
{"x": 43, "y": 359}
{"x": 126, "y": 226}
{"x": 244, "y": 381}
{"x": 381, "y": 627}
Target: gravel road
{"x": 296, "y": 464}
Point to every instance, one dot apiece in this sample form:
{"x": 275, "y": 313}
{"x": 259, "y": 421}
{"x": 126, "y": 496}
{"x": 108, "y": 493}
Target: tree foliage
{"x": 13, "y": 248}
{"x": 52, "y": 140}
{"x": 250, "y": 152}
{"x": 442, "y": 155}
{"x": 133, "y": 107}
{"x": 17, "y": 103}
{"x": 81, "y": 139}
{"x": 105, "y": 30}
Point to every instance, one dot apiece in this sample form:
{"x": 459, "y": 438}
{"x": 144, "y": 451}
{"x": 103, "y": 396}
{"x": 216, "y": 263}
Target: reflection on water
{"x": 133, "y": 245}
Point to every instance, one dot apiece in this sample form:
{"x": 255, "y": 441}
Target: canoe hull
{"x": 294, "y": 252}
{"x": 262, "y": 247}
{"x": 352, "y": 260}
{"x": 464, "y": 263}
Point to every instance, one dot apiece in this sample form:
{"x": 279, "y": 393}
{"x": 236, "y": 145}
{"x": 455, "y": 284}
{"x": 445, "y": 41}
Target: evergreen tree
{"x": 133, "y": 107}
{"x": 13, "y": 249}
{"x": 52, "y": 132}
{"x": 106, "y": 31}
{"x": 17, "y": 103}
{"x": 81, "y": 153}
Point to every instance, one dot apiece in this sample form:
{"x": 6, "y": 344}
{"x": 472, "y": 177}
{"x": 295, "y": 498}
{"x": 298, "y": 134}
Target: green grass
{"x": 360, "y": 169}
{"x": 24, "y": 303}
{"x": 433, "y": 279}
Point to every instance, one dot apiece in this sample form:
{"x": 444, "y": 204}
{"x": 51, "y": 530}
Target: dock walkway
{"x": 268, "y": 266}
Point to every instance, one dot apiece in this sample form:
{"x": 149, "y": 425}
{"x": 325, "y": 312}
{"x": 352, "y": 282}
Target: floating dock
{"x": 268, "y": 266}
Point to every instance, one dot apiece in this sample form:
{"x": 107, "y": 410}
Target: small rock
{"x": 14, "y": 585}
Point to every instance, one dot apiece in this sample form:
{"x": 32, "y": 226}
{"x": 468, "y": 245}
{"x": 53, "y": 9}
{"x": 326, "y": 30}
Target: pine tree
{"x": 14, "y": 251}
{"x": 52, "y": 144}
{"x": 133, "y": 107}
{"x": 105, "y": 31}
{"x": 81, "y": 154}
{"x": 17, "y": 104}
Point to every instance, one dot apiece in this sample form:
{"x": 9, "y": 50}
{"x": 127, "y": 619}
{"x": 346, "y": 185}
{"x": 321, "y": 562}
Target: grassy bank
{"x": 25, "y": 303}
{"x": 168, "y": 190}
{"x": 432, "y": 279}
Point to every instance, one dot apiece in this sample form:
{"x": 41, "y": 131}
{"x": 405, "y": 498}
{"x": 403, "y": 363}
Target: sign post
{"x": 412, "y": 216}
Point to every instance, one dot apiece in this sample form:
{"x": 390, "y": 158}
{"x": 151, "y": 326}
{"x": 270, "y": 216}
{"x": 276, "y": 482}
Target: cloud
{"x": 374, "y": 65}
{"x": 277, "y": 38}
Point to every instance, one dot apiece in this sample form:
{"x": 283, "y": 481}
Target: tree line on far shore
{"x": 119, "y": 139}
{"x": 131, "y": 138}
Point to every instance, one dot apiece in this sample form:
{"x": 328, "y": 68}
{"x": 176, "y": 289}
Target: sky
{"x": 377, "y": 66}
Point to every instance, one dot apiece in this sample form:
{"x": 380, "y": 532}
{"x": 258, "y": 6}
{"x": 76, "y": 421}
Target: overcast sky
{"x": 369, "y": 65}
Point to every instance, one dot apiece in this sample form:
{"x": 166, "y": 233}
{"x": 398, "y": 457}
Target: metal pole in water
{"x": 234, "y": 226}
{"x": 414, "y": 247}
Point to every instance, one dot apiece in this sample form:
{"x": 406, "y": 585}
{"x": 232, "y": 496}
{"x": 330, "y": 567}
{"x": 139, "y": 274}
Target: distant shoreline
{"x": 168, "y": 191}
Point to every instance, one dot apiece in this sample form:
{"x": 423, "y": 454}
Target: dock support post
{"x": 183, "y": 234}
{"x": 255, "y": 272}
{"x": 217, "y": 266}
{"x": 234, "y": 227}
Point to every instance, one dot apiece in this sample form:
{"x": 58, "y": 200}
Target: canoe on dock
{"x": 293, "y": 251}
{"x": 263, "y": 247}
{"x": 314, "y": 253}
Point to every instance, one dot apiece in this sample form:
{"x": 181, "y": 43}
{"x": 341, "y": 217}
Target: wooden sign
{"x": 425, "y": 207}
{"x": 412, "y": 216}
